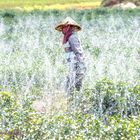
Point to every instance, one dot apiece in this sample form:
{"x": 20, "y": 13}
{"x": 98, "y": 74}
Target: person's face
{"x": 65, "y": 29}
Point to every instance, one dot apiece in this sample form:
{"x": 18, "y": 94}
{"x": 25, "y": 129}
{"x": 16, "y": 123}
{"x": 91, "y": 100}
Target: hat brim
{"x": 60, "y": 26}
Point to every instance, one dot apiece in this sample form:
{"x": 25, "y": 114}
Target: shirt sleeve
{"x": 76, "y": 47}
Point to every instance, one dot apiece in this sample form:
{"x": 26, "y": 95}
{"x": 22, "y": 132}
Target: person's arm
{"x": 76, "y": 47}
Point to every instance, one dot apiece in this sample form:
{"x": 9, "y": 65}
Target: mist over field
{"x": 32, "y": 53}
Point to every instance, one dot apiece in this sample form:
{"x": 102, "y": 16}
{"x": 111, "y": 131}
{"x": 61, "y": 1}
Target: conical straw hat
{"x": 68, "y": 21}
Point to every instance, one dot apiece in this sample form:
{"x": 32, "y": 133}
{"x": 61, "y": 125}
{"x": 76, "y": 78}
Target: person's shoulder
{"x": 73, "y": 37}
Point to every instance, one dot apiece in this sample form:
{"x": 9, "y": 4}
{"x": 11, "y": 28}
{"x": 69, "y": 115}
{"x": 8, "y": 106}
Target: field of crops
{"x": 33, "y": 102}
{"x": 29, "y": 5}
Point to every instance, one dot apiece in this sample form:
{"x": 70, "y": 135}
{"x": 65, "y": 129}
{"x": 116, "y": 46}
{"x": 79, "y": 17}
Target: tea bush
{"x": 100, "y": 113}
{"x": 110, "y": 98}
{"x": 17, "y": 119}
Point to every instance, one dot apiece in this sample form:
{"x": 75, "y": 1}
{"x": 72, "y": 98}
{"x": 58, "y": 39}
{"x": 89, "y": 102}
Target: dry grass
{"x": 51, "y": 103}
{"x": 45, "y": 5}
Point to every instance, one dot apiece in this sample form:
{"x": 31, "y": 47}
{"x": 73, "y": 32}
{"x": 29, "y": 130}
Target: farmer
{"x": 74, "y": 54}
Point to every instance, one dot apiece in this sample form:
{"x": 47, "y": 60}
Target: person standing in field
{"x": 74, "y": 54}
